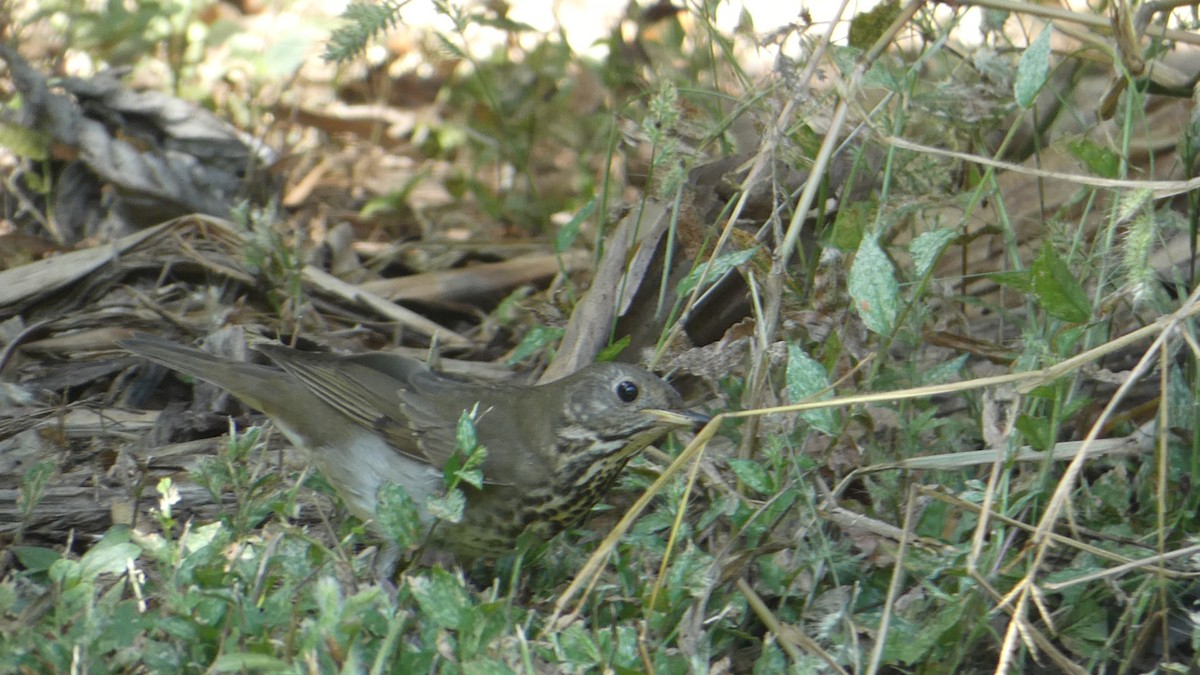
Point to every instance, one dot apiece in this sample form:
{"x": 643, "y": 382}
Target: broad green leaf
{"x": 447, "y": 507}
{"x": 397, "y": 515}
{"x": 852, "y": 221}
{"x": 753, "y": 475}
{"x": 24, "y": 142}
{"x": 537, "y": 339}
{"x": 806, "y": 377}
{"x": 35, "y": 558}
{"x": 873, "y": 287}
{"x": 926, "y": 248}
{"x": 463, "y": 464}
{"x": 465, "y": 435}
{"x": 486, "y": 665}
{"x": 109, "y": 555}
{"x": 1100, "y": 161}
{"x": 720, "y": 266}
{"x": 202, "y": 535}
{"x": 472, "y": 477}
{"x": 576, "y": 646}
{"x": 1019, "y": 280}
{"x": 911, "y": 643}
{"x": 1056, "y": 289}
{"x": 943, "y": 372}
{"x": 1036, "y": 431}
{"x": 441, "y": 595}
{"x": 1033, "y": 69}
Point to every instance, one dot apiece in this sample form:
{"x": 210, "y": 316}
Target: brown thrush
{"x": 552, "y": 450}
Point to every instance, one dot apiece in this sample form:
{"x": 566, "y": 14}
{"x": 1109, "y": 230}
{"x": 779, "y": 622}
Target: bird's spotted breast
{"x": 568, "y": 502}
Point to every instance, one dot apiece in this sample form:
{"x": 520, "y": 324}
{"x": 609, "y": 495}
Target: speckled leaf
{"x": 806, "y": 377}
{"x": 926, "y": 248}
{"x": 441, "y": 596}
{"x": 397, "y": 515}
{"x": 1033, "y": 69}
{"x": 873, "y": 287}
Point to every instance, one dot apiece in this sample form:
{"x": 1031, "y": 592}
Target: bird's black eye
{"x": 627, "y": 391}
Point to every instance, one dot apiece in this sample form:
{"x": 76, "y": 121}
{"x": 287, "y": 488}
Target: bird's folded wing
{"x": 342, "y": 386}
{"x": 404, "y": 402}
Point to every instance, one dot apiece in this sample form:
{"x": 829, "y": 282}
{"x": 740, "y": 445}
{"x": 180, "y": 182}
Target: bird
{"x": 552, "y": 450}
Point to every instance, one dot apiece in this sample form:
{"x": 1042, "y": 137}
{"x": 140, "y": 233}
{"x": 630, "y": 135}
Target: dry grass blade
{"x": 1150, "y": 564}
{"x": 790, "y": 637}
{"x": 325, "y": 282}
{"x": 1161, "y": 188}
{"x": 473, "y": 283}
{"x": 1136, "y": 443}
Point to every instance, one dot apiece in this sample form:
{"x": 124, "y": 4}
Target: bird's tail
{"x": 254, "y": 384}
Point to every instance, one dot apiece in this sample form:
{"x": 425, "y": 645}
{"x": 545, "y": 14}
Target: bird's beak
{"x": 678, "y": 418}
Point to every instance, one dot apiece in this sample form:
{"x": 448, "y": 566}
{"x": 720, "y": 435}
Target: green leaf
{"x": 124, "y": 622}
{"x": 943, "y": 372}
{"x": 472, "y": 477}
{"x": 463, "y": 464}
{"x": 35, "y": 558}
{"x": 23, "y": 142}
{"x": 537, "y": 339}
{"x": 928, "y": 246}
{"x": 485, "y": 665}
{"x": 873, "y": 287}
{"x": 567, "y": 233}
{"x": 914, "y": 642}
{"x": 1033, "y": 69}
{"x": 110, "y": 555}
{"x": 806, "y": 377}
{"x": 397, "y": 515}
{"x": 449, "y": 506}
{"x": 202, "y": 535}
{"x": 753, "y": 475}
{"x": 1056, "y": 289}
{"x": 879, "y": 74}
{"x": 720, "y": 267}
{"x": 65, "y": 571}
{"x": 771, "y": 660}
{"x": 611, "y": 352}
{"x": 1100, "y": 161}
{"x": 441, "y": 595}
{"x": 576, "y": 646}
{"x": 465, "y": 435}
{"x": 845, "y": 59}
{"x": 1036, "y": 431}
{"x": 33, "y": 484}
{"x": 452, "y": 49}
{"x": 238, "y": 662}
{"x": 1019, "y": 280}
{"x": 852, "y": 221}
